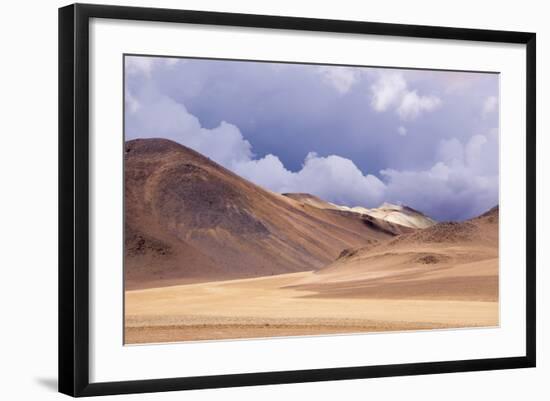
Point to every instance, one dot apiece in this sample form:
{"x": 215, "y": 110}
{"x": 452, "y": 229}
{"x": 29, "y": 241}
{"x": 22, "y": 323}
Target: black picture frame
{"x": 74, "y": 198}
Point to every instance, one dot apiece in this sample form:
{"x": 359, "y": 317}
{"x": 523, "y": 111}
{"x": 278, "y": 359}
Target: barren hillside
{"x": 187, "y": 219}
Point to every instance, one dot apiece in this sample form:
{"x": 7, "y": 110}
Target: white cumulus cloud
{"x": 340, "y": 78}
{"x": 390, "y": 91}
{"x": 412, "y": 105}
{"x": 490, "y": 105}
{"x": 332, "y": 178}
{"x": 464, "y": 183}
{"x": 135, "y": 65}
{"x": 159, "y": 116}
{"x": 387, "y": 90}
{"x": 131, "y": 102}
{"x": 138, "y": 65}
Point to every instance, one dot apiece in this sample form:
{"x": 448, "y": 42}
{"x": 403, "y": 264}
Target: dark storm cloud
{"x": 356, "y": 136}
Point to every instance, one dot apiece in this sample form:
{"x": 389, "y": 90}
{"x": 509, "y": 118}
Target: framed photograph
{"x": 251, "y": 199}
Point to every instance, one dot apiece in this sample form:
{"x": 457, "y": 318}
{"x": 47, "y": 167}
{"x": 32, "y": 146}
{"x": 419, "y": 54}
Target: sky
{"x": 355, "y": 136}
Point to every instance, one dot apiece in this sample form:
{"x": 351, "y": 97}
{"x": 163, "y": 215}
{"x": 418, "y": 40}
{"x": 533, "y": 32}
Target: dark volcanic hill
{"x": 187, "y": 219}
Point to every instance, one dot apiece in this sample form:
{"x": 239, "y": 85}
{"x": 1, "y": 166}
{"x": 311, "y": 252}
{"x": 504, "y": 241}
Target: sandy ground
{"x": 307, "y": 303}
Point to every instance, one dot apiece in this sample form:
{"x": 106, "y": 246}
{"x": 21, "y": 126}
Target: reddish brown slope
{"x": 189, "y": 219}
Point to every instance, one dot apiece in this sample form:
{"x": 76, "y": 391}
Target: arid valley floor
{"x": 210, "y": 255}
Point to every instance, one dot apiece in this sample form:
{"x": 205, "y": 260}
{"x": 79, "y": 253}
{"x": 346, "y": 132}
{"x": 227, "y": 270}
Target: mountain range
{"x": 188, "y": 219}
